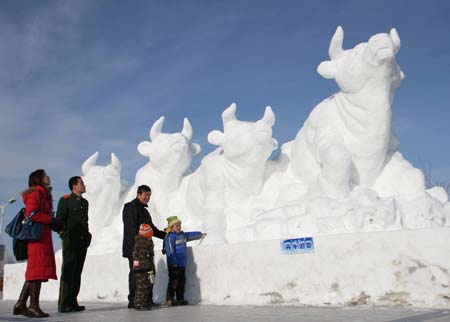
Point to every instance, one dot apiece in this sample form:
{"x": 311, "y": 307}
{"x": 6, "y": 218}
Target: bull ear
{"x": 116, "y": 162}
{"x": 216, "y": 137}
{"x": 187, "y": 129}
{"x": 89, "y": 163}
{"x": 157, "y": 128}
{"x": 327, "y": 69}
{"x": 145, "y": 148}
{"x": 196, "y": 149}
{"x": 269, "y": 116}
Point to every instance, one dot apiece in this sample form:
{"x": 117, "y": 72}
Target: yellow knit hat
{"x": 172, "y": 220}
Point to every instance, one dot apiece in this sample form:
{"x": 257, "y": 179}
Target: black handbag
{"x": 20, "y": 249}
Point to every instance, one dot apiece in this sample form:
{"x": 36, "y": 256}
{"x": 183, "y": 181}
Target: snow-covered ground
{"x": 117, "y": 312}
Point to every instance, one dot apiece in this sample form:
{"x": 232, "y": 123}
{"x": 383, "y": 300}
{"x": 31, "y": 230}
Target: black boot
{"x": 20, "y": 308}
{"x": 35, "y": 310}
{"x": 77, "y": 307}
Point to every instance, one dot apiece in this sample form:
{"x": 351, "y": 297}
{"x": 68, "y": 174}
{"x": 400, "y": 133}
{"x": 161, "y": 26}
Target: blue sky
{"x": 83, "y": 76}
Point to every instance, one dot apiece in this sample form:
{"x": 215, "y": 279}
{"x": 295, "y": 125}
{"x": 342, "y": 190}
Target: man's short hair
{"x": 143, "y": 188}
{"x": 73, "y": 182}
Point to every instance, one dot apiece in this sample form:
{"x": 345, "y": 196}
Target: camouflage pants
{"x": 143, "y": 287}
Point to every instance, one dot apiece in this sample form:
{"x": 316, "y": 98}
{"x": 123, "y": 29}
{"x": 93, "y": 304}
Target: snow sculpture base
{"x": 408, "y": 268}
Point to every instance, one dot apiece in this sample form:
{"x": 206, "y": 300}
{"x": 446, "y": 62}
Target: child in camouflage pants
{"x": 143, "y": 267}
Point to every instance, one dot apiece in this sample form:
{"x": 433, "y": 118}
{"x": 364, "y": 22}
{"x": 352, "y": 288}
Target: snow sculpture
{"x": 104, "y": 190}
{"x": 342, "y": 173}
{"x": 170, "y": 160}
{"x": 219, "y": 191}
{"x": 346, "y": 139}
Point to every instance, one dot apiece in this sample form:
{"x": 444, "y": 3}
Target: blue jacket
{"x": 175, "y": 247}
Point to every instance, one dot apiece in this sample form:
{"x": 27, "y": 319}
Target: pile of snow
{"x": 407, "y": 267}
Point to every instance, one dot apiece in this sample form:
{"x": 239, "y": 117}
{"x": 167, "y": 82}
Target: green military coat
{"x": 73, "y": 212}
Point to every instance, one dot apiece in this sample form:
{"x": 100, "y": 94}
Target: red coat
{"x": 41, "y": 257}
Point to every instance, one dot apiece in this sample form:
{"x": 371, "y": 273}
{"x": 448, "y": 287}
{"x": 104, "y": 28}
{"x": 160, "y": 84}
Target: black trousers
{"x": 132, "y": 285}
{"x": 177, "y": 283}
{"x": 71, "y": 269}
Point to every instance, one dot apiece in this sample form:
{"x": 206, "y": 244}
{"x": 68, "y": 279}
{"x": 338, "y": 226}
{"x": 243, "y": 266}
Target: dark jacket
{"x": 134, "y": 214}
{"x": 73, "y": 212}
{"x": 143, "y": 252}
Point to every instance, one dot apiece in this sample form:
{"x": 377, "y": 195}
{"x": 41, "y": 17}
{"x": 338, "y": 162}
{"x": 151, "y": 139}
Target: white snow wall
{"x": 408, "y": 267}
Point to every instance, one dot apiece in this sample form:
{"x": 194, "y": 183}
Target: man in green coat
{"x": 73, "y": 213}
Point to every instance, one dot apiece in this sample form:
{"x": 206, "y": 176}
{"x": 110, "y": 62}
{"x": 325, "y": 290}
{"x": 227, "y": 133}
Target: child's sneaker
{"x": 171, "y": 302}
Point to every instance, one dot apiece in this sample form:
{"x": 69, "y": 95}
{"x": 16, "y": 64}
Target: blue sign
{"x": 297, "y": 245}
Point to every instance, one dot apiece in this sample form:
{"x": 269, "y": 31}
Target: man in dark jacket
{"x": 135, "y": 214}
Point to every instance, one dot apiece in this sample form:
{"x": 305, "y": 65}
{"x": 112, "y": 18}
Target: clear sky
{"x": 83, "y": 76}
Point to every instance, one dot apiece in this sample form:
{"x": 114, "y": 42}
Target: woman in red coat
{"x": 41, "y": 257}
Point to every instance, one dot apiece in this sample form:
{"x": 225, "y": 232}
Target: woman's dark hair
{"x": 36, "y": 178}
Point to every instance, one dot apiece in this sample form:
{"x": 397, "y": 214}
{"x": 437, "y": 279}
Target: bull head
{"x": 91, "y": 163}
{"x": 101, "y": 178}
{"x": 245, "y": 138}
{"x": 170, "y": 150}
{"x": 353, "y": 68}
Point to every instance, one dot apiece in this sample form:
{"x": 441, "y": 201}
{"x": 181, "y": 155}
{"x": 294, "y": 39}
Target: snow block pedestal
{"x": 406, "y": 267}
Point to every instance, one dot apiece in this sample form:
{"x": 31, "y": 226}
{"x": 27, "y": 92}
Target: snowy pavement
{"x": 100, "y": 312}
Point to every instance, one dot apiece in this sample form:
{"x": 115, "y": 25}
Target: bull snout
{"x": 380, "y": 49}
{"x": 180, "y": 144}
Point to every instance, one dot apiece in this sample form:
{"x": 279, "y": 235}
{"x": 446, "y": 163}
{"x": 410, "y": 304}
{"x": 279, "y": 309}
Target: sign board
{"x": 297, "y": 245}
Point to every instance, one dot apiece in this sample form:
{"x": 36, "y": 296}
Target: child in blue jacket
{"x": 175, "y": 248}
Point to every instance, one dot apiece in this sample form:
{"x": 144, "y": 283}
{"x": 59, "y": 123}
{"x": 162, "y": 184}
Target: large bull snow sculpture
{"x": 347, "y": 140}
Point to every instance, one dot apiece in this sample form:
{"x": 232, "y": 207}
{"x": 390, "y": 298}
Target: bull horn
{"x": 229, "y": 114}
{"x": 395, "y": 40}
{"x": 269, "y": 116}
{"x": 157, "y": 128}
{"x": 335, "y": 50}
{"x": 90, "y": 162}
{"x": 116, "y": 162}
{"x": 187, "y": 129}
